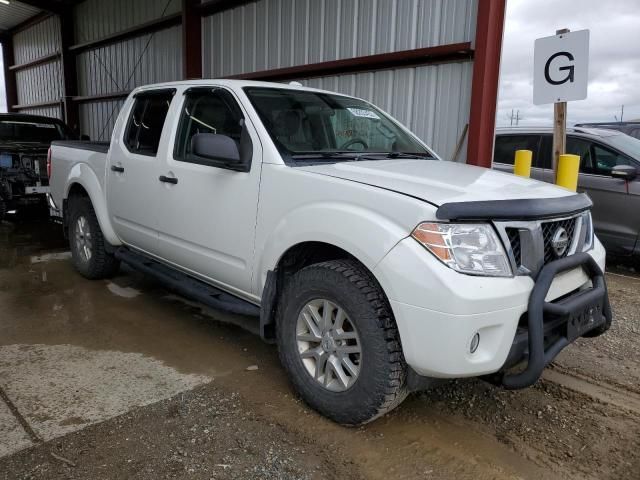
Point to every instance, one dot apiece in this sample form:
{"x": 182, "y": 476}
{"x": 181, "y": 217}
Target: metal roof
{"x": 598, "y": 132}
{"x": 15, "y": 13}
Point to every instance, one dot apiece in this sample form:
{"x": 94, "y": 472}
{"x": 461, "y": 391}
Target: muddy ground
{"x": 122, "y": 379}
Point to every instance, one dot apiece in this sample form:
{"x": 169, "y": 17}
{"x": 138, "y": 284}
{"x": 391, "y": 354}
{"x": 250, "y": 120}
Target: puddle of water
{"x": 48, "y": 257}
{"x": 125, "y": 292}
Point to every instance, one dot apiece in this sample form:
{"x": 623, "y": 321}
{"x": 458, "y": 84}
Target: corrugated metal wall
{"x": 40, "y": 40}
{"x": 281, "y": 33}
{"x": 433, "y": 101}
{"x": 97, "y": 118}
{"x": 96, "y": 19}
{"x": 124, "y": 65}
{"x": 40, "y": 83}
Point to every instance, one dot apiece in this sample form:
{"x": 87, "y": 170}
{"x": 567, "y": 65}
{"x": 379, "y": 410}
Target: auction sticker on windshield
{"x": 361, "y": 112}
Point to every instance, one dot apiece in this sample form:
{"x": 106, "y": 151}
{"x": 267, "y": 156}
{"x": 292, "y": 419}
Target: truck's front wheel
{"x": 87, "y": 243}
{"x": 339, "y": 343}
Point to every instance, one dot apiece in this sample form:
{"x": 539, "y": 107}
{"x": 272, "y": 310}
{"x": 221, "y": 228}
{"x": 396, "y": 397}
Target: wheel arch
{"x": 82, "y": 181}
{"x": 292, "y": 260}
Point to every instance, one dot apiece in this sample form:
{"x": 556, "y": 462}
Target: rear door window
{"x": 506, "y": 146}
{"x": 582, "y": 148}
{"x": 143, "y": 132}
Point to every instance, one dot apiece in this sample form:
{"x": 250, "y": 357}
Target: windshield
{"x": 626, "y": 144}
{"x": 304, "y": 123}
{"x": 30, "y": 131}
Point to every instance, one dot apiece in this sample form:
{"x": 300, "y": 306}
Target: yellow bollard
{"x": 522, "y": 164}
{"x": 568, "y": 168}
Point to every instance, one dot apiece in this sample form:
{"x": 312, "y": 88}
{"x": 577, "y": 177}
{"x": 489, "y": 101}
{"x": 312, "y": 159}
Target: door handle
{"x": 117, "y": 169}
{"x": 166, "y": 179}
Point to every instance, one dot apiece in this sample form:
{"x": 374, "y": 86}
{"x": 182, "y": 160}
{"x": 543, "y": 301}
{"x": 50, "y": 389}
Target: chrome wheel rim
{"x": 83, "y": 238}
{"x": 329, "y": 345}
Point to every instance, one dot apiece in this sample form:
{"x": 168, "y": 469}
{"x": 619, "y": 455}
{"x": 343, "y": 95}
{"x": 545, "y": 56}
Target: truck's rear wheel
{"x": 87, "y": 243}
{"x": 339, "y": 343}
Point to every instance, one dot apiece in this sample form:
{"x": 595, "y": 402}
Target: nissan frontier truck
{"x": 375, "y": 266}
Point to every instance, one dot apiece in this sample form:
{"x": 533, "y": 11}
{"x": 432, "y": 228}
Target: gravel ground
{"x": 614, "y": 357}
{"x": 201, "y": 434}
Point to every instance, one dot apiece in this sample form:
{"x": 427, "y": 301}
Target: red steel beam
{"x": 30, "y": 22}
{"x": 10, "y": 86}
{"x": 101, "y": 97}
{"x": 484, "y": 87}
{"x": 38, "y": 61}
{"x": 69, "y": 74}
{"x": 454, "y": 52}
{"x": 51, "y": 103}
{"x": 211, "y": 7}
{"x": 191, "y": 40}
{"x": 142, "y": 29}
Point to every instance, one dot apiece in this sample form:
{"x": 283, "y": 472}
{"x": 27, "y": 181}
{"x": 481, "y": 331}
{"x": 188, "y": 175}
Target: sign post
{"x": 561, "y": 66}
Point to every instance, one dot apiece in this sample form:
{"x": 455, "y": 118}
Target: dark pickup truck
{"x": 24, "y": 142}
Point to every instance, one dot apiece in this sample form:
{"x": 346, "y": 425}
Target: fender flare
{"x": 84, "y": 176}
{"x": 337, "y": 224}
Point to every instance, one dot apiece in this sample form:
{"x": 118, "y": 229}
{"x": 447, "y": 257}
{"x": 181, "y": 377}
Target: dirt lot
{"x": 122, "y": 379}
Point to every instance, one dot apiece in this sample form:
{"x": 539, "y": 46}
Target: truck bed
{"x": 101, "y": 147}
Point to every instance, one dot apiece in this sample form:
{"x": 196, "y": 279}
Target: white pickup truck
{"x": 375, "y": 266}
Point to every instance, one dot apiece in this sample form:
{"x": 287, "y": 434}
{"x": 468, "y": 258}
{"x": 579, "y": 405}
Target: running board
{"x": 188, "y": 286}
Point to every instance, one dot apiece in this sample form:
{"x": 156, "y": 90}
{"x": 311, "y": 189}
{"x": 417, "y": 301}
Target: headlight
{"x": 467, "y": 248}
{"x": 587, "y": 229}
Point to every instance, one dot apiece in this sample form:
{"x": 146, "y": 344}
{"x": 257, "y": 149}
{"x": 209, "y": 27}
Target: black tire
{"x": 100, "y": 264}
{"x": 381, "y": 383}
{"x": 3, "y": 209}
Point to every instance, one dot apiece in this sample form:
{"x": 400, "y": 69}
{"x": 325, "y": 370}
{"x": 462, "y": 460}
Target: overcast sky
{"x": 614, "y": 58}
{"x": 614, "y": 63}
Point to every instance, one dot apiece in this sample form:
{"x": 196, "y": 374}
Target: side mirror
{"x": 215, "y": 147}
{"x": 624, "y": 172}
{"x": 85, "y": 137}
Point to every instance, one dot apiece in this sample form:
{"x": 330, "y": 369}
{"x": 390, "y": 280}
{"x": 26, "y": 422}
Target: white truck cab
{"x": 373, "y": 264}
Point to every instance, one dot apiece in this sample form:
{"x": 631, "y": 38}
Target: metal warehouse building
{"x": 433, "y": 64}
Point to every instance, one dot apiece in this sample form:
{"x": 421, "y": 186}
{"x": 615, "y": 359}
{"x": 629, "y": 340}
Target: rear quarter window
{"x": 506, "y": 146}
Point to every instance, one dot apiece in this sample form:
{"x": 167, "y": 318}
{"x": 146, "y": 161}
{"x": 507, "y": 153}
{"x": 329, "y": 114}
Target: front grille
{"x": 531, "y": 243}
{"x": 513, "y": 234}
{"x": 548, "y": 231}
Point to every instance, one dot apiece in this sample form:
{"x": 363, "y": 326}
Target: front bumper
{"x": 551, "y": 326}
{"x": 438, "y": 311}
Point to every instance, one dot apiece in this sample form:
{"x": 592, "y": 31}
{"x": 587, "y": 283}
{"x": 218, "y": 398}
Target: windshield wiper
{"x": 378, "y": 155}
{"x": 337, "y": 155}
{"x": 349, "y": 155}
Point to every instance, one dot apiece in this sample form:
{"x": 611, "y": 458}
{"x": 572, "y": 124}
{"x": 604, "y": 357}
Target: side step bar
{"x": 186, "y": 285}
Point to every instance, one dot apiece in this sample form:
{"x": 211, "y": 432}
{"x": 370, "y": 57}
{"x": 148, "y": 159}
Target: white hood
{"x": 439, "y": 182}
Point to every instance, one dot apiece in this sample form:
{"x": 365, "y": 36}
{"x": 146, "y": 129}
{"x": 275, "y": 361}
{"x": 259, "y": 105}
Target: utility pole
{"x": 559, "y": 125}
{"x": 515, "y": 117}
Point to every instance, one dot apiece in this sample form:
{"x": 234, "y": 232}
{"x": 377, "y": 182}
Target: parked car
{"x": 630, "y": 128}
{"x": 24, "y": 142}
{"x": 608, "y": 174}
{"x": 374, "y": 265}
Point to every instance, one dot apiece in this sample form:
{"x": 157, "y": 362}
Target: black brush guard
{"x": 581, "y": 312}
